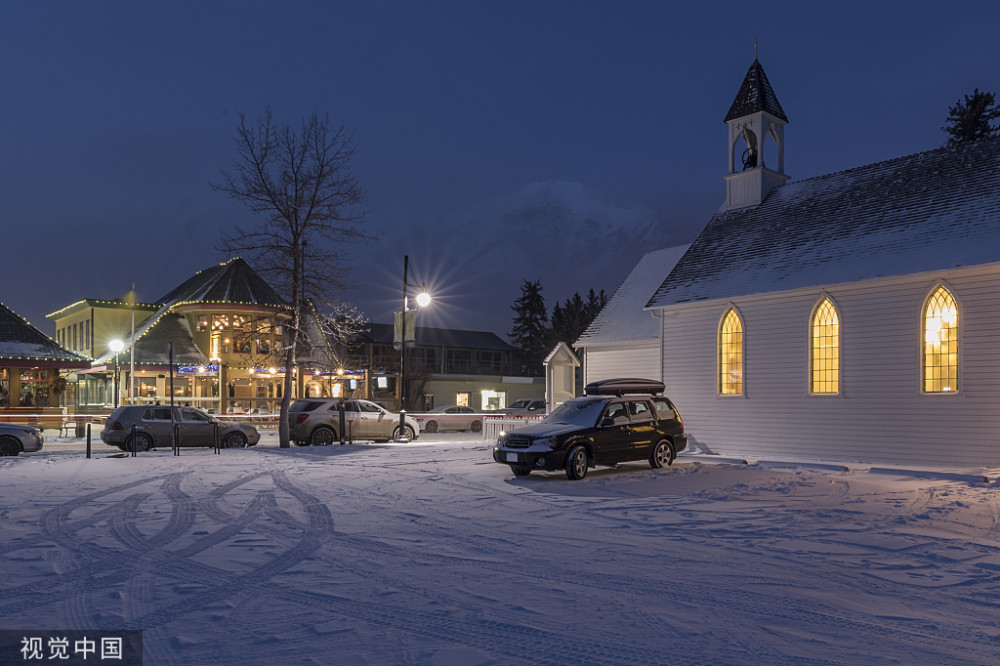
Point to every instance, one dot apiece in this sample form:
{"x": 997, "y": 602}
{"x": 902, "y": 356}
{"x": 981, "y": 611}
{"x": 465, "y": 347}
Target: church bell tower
{"x": 756, "y": 121}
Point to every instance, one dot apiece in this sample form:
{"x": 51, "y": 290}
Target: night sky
{"x": 118, "y": 115}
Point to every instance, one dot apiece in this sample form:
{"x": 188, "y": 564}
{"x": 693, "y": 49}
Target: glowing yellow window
{"x": 824, "y": 343}
{"x": 940, "y": 342}
{"x": 731, "y": 354}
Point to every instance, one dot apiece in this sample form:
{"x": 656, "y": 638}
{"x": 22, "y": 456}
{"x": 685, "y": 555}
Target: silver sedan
{"x": 17, "y": 438}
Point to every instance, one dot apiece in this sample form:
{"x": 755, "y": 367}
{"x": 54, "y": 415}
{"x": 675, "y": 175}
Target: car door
{"x": 351, "y": 420}
{"x": 156, "y": 421}
{"x": 373, "y": 422}
{"x": 196, "y": 428}
{"x": 468, "y": 416}
{"x": 644, "y": 432}
{"x": 612, "y": 442}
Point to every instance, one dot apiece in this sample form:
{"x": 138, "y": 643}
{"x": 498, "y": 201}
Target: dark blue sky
{"x": 117, "y": 115}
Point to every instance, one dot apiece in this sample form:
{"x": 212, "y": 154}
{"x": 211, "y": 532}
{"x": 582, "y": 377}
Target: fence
{"x": 53, "y": 418}
{"x": 494, "y": 425}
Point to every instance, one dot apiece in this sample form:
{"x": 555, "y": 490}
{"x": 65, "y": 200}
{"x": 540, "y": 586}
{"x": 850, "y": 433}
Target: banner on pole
{"x": 399, "y": 334}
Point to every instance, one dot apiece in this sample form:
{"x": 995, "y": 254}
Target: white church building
{"x": 853, "y": 316}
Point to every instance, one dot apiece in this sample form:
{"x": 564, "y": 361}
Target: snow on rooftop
{"x": 930, "y": 211}
{"x": 623, "y": 318}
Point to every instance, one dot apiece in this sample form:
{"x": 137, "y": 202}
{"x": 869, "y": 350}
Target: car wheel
{"x": 9, "y": 447}
{"x": 142, "y": 442}
{"x": 662, "y": 455}
{"x": 408, "y": 432}
{"x": 234, "y": 440}
{"x": 520, "y": 470}
{"x": 477, "y": 426}
{"x": 432, "y": 426}
{"x": 576, "y": 463}
{"x": 322, "y": 436}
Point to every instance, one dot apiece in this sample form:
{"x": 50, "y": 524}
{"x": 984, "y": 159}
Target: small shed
{"x": 560, "y": 376}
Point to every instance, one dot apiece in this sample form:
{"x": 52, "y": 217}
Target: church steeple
{"x": 756, "y": 121}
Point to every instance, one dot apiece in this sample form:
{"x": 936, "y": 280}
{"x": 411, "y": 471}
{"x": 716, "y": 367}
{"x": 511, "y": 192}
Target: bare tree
{"x": 300, "y": 184}
{"x": 341, "y": 324}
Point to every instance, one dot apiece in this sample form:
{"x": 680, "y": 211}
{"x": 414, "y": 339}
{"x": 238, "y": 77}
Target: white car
{"x": 316, "y": 421}
{"x": 451, "y": 417}
{"x": 17, "y": 438}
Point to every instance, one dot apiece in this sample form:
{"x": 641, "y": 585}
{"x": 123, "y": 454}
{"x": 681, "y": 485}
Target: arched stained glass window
{"x": 824, "y": 345}
{"x": 940, "y": 338}
{"x": 731, "y": 354}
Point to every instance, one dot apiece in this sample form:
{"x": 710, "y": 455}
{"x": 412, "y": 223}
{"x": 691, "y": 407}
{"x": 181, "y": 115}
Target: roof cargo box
{"x": 623, "y": 386}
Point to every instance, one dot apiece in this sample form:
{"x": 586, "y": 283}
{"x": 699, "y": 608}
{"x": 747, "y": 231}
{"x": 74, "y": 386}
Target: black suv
{"x": 616, "y": 420}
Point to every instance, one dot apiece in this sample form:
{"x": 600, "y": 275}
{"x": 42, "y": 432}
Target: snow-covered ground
{"x": 430, "y": 553}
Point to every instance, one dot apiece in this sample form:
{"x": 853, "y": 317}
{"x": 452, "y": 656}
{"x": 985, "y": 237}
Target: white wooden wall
{"x": 881, "y": 414}
{"x": 630, "y": 360}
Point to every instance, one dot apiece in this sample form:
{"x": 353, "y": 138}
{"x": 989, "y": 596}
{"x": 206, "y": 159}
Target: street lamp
{"x": 423, "y": 299}
{"x": 116, "y": 346}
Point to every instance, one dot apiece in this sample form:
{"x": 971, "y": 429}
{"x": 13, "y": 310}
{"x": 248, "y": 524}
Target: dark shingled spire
{"x": 231, "y": 282}
{"x": 756, "y": 94}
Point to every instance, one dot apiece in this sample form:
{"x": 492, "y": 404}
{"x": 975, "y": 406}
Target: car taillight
{"x": 116, "y": 425}
{"x": 301, "y": 417}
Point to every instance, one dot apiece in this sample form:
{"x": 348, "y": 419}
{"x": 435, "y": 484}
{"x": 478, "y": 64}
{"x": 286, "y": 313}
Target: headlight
{"x": 545, "y": 441}
{"x": 501, "y": 438}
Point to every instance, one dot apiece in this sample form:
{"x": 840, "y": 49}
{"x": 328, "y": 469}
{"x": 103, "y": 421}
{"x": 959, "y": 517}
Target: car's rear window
{"x": 665, "y": 408}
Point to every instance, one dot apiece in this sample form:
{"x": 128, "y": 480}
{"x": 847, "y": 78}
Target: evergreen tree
{"x": 530, "y": 331}
{"x": 595, "y": 303}
{"x": 571, "y": 319}
{"x": 969, "y": 119}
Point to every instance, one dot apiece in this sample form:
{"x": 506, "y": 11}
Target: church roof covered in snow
{"x": 623, "y": 319}
{"x": 930, "y": 211}
{"x": 756, "y": 94}
{"x": 20, "y": 341}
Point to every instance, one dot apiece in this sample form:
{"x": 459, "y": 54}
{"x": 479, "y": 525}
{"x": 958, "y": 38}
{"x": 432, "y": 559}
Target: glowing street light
{"x": 423, "y": 299}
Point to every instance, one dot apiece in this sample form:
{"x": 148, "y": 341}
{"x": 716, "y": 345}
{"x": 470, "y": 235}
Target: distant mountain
{"x": 570, "y": 237}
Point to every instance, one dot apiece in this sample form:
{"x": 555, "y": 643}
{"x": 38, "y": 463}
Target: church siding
{"x": 881, "y": 415}
{"x": 634, "y": 360}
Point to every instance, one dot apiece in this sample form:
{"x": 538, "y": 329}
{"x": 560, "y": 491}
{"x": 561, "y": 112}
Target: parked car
{"x": 452, "y": 417}
{"x": 526, "y": 406}
{"x": 616, "y": 420}
{"x": 153, "y": 428}
{"x": 17, "y": 438}
{"x": 316, "y": 421}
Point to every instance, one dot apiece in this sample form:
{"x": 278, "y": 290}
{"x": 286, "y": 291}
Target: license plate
{"x": 512, "y": 457}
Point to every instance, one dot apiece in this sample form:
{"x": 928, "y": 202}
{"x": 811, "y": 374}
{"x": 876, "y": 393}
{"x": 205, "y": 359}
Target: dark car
{"x": 617, "y": 420}
{"x": 153, "y": 425}
{"x": 17, "y": 438}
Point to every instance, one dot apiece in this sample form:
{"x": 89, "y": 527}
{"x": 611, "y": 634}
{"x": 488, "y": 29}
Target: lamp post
{"x": 423, "y": 300}
{"x": 116, "y": 346}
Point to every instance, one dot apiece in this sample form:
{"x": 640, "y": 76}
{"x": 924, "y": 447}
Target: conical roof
{"x": 756, "y": 94}
{"x": 230, "y": 282}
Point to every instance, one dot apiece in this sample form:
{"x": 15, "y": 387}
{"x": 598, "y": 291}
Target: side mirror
{"x": 607, "y": 421}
